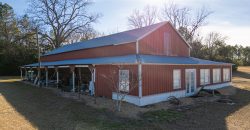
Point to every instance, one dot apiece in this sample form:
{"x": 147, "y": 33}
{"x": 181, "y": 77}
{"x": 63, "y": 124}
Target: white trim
{"x": 81, "y": 66}
{"x": 195, "y": 81}
{"x": 137, "y": 47}
{"x": 217, "y": 86}
{"x": 231, "y": 75}
{"x": 151, "y": 99}
{"x": 156, "y": 98}
{"x": 65, "y": 66}
{"x": 185, "y": 64}
{"x": 118, "y": 44}
{"x": 140, "y": 79}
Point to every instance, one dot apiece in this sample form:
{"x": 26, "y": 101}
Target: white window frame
{"x": 204, "y": 76}
{"x": 216, "y": 75}
{"x": 226, "y": 74}
{"x": 176, "y": 82}
{"x": 124, "y": 80}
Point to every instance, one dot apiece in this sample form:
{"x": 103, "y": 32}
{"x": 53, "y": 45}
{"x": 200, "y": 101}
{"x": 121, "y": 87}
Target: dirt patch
{"x": 132, "y": 111}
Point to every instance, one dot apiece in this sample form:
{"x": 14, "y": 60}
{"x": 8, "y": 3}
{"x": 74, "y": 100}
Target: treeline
{"x": 188, "y": 22}
{"x": 57, "y": 25}
{"x": 17, "y": 41}
{"x": 214, "y": 47}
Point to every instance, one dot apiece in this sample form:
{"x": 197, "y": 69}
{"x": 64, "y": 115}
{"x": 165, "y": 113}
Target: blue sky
{"x": 231, "y": 18}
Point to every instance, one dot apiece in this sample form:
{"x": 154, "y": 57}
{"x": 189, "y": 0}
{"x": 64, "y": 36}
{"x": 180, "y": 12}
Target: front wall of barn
{"x": 153, "y": 44}
{"x": 106, "y": 51}
{"x": 158, "y": 79}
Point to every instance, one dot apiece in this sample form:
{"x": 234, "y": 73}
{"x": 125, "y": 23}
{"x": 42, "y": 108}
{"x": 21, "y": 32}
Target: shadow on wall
{"x": 45, "y": 110}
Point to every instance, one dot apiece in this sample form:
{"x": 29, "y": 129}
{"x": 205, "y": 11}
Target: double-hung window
{"x": 226, "y": 74}
{"x": 177, "y": 79}
{"x": 204, "y": 76}
{"x": 124, "y": 80}
{"x": 216, "y": 75}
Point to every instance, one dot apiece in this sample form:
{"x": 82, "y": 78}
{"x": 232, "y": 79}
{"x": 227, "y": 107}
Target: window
{"x": 124, "y": 80}
{"x": 226, "y": 74}
{"x": 177, "y": 79}
{"x": 204, "y": 76}
{"x": 216, "y": 75}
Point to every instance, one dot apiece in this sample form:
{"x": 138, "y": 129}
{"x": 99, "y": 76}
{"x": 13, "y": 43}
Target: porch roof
{"x": 133, "y": 59}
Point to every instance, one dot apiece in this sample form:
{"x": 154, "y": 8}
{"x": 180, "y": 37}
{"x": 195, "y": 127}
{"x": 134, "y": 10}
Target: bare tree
{"x": 120, "y": 83}
{"x": 213, "y": 41}
{"x": 184, "y": 20}
{"x": 61, "y": 18}
{"x": 146, "y": 17}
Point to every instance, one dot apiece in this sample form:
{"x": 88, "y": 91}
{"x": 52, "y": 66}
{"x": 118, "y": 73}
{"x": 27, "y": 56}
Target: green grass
{"x": 162, "y": 115}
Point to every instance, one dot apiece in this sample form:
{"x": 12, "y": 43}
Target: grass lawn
{"x": 26, "y": 107}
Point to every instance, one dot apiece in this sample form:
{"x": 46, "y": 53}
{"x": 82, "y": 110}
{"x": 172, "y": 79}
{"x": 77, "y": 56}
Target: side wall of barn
{"x": 158, "y": 79}
{"x": 107, "y": 78}
{"x": 106, "y": 51}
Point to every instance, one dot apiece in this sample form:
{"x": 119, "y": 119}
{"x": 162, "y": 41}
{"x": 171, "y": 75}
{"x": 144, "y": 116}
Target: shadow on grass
{"x": 241, "y": 74}
{"x": 45, "y": 110}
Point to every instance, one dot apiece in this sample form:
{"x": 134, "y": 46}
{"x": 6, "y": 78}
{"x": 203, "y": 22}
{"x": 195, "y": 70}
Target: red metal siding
{"x": 159, "y": 78}
{"x": 118, "y": 50}
{"x": 154, "y": 43}
{"x": 104, "y": 87}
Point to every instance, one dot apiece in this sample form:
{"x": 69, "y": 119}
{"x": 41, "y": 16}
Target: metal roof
{"x": 133, "y": 59}
{"x": 129, "y": 59}
{"x": 177, "y": 60}
{"x": 114, "y": 39}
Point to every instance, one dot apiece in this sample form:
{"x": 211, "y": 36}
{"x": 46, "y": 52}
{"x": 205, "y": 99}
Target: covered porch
{"x": 68, "y": 78}
{"x": 76, "y": 75}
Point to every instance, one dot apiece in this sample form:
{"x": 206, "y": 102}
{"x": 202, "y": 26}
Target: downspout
{"x": 139, "y": 70}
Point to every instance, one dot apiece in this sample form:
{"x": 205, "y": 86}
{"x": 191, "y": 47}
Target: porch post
{"x": 26, "y": 74}
{"x": 21, "y": 71}
{"x": 31, "y": 73}
{"x": 46, "y": 74}
{"x": 57, "y": 76}
{"x": 72, "y": 68}
{"x": 38, "y": 76}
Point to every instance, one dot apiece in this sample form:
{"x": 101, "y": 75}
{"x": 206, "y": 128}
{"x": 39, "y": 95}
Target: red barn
{"x": 150, "y": 63}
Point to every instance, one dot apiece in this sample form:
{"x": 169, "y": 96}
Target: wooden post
{"x": 31, "y": 73}
{"x": 72, "y": 69}
{"x": 46, "y": 74}
{"x": 26, "y": 74}
{"x": 38, "y": 76}
{"x": 57, "y": 76}
{"x": 21, "y": 71}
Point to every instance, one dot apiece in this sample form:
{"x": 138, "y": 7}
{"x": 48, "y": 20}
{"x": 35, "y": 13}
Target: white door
{"x": 190, "y": 81}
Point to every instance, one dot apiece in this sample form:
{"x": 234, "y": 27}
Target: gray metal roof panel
{"x": 113, "y": 39}
{"x": 176, "y": 60}
{"x": 129, "y": 59}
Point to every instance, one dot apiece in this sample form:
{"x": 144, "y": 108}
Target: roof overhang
{"x": 132, "y": 59}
